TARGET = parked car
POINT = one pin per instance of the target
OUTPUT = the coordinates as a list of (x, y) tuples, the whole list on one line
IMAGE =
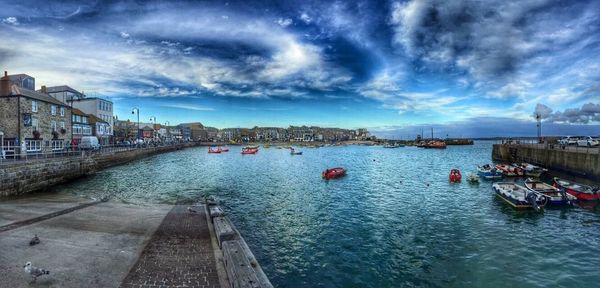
[(89, 143), (588, 141), (568, 140)]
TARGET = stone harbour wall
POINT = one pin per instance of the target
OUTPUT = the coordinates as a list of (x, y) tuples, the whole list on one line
[(35, 175)]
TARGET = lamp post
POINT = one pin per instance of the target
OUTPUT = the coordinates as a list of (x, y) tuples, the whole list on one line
[(133, 111), (1, 145), (167, 129), (538, 118)]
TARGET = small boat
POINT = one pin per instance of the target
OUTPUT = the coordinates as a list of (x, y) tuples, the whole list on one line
[(519, 197), (389, 145), (473, 179), (580, 191), (510, 171), (266, 146), (294, 152), (224, 149), (251, 147), (531, 170), (246, 151), (454, 176), (333, 173), (488, 172), (215, 150), (556, 197), (435, 145)]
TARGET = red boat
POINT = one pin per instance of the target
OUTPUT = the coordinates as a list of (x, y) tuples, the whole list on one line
[(211, 150), (224, 149), (333, 173), (581, 191), (454, 176), (249, 151)]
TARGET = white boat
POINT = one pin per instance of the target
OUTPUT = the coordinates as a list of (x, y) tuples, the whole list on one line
[(556, 197), (519, 197), (488, 171), (531, 170), (510, 171)]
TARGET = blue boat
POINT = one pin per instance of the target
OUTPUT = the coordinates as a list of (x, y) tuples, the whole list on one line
[(519, 197), (556, 197), (489, 172)]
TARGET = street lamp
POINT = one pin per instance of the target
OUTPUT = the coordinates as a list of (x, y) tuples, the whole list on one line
[(538, 117), (133, 111), (153, 119)]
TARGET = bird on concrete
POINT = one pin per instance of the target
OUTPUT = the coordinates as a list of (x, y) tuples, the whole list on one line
[(35, 271), (34, 241), (192, 211)]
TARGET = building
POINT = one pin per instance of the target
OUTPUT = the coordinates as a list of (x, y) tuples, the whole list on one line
[(101, 129), (124, 131), (31, 121), (64, 93), (98, 107), (81, 125), (193, 131)]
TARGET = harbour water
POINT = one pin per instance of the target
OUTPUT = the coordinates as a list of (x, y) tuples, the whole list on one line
[(393, 221)]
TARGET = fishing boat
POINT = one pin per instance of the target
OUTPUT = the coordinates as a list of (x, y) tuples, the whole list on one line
[(224, 149), (487, 171), (435, 145), (518, 196), (580, 191), (333, 173), (251, 147), (294, 152), (455, 176), (531, 170), (510, 171), (473, 179), (246, 151), (214, 150), (556, 197), (390, 145)]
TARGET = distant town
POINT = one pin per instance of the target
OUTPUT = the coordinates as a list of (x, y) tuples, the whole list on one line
[(52, 118)]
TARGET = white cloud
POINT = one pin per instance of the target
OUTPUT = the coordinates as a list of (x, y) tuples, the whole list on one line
[(11, 21), (284, 22), (124, 35), (188, 107), (304, 17)]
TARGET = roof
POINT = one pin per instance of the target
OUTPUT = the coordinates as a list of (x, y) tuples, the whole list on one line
[(61, 88), (91, 98), (78, 112), (94, 119), (16, 90)]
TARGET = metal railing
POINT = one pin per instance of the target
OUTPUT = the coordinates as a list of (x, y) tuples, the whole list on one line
[(12, 154), (551, 145)]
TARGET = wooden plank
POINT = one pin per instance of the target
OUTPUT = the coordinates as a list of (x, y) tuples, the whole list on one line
[(216, 211), (224, 230), (239, 271), (263, 280)]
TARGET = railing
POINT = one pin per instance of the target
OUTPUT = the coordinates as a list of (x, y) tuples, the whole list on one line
[(11, 154), (551, 145)]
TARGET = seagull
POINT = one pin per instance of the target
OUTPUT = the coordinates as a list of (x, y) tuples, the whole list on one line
[(191, 210), (34, 241), (34, 271)]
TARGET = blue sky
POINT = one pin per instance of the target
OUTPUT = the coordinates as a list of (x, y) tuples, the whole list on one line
[(470, 68)]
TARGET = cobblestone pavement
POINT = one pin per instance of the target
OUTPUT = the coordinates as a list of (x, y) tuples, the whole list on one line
[(179, 254)]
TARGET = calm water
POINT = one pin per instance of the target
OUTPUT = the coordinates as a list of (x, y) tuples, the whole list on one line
[(393, 221)]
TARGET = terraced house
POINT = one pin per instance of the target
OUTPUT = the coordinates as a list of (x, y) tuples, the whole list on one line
[(31, 122)]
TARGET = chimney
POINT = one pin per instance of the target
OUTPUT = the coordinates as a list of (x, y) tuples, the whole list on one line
[(44, 89), (5, 85)]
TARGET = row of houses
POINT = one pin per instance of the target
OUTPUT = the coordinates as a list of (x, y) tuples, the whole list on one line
[(50, 118), (127, 131)]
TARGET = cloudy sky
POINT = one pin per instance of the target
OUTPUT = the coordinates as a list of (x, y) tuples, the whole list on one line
[(472, 68)]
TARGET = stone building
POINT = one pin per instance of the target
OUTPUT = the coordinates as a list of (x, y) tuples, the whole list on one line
[(32, 122), (81, 125), (101, 129)]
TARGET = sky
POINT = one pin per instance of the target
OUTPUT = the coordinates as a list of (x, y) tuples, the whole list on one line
[(465, 68)]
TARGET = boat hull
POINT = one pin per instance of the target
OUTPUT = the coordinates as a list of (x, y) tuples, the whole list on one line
[(514, 202), (579, 194)]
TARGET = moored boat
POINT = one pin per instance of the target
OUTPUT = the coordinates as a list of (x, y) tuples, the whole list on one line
[(556, 197), (530, 169), (510, 171), (224, 149), (246, 151), (518, 196), (333, 173), (581, 191), (251, 147), (214, 150), (473, 179), (487, 171), (294, 152), (455, 176), (435, 145)]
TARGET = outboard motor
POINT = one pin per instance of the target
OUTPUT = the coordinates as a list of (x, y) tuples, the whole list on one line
[(532, 199), (563, 193)]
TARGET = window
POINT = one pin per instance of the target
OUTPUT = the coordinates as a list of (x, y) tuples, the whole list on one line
[(33, 145), (57, 145), (84, 119), (53, 126), (62, 111), (53, 110), (35, 123), (77, 129), (9, 145), (62, 124), (34, 106)]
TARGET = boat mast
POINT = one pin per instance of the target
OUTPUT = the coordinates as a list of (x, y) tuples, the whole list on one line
[(431, 133)]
